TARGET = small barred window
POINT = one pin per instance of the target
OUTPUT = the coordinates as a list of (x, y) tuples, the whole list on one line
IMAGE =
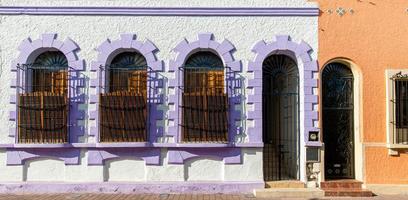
[(400, 104), (123, 104), (204, 99), (43, 103)]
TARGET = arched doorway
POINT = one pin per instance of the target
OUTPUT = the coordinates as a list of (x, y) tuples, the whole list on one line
[(280, 114), (338, 121)]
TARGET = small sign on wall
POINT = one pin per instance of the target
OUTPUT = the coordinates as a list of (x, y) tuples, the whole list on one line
[(313, 136)]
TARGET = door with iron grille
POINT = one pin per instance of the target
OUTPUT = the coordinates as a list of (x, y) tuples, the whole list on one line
[(280, 112), (338, 126)]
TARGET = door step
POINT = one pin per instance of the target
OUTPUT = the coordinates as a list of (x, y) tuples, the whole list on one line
[(284, 184), (289, 193), (344, 188), (343, 192)]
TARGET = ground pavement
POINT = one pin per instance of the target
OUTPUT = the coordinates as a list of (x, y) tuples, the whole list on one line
[(163, 197)]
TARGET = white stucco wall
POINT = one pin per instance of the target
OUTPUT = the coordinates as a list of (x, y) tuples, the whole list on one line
[(165, 32), (124, 170), (131, 170), (44, 169)]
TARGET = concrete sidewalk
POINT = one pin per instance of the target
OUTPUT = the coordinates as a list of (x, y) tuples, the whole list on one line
[(165, 197)]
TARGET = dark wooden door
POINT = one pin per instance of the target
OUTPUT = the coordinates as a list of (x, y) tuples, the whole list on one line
[(338, 121)]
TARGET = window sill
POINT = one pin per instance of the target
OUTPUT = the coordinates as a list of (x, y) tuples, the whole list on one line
[(123, 144), (397, 146), (39, 146), (314, 144)]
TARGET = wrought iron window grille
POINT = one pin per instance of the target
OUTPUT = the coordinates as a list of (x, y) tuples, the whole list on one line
[(123, 106), (43, 92), (204, 94), (399, 108)]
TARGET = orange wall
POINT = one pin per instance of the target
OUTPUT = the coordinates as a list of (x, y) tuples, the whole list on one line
[(375, 38)]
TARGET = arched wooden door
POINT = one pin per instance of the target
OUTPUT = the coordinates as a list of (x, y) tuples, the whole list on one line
[(338, 121), (280, 113)]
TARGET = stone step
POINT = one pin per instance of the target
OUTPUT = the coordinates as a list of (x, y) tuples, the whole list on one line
[(289, 193), (284, 184), (341, 184), (343, 192)]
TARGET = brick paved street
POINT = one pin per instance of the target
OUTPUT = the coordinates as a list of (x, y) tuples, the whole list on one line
[(161, 197)]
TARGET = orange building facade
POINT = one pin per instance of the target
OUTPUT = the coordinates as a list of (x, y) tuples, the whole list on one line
[(370, 38)]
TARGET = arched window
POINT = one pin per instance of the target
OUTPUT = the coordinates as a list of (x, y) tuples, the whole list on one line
[(280, 115), (204, 99), (123, 104), (43, 106)]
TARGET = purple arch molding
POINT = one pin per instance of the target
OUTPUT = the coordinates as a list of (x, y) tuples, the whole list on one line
[(299, 52), (70, 156), (107, 51), (29, 50), (184, 49)]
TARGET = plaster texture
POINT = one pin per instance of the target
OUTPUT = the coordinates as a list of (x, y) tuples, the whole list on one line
[(89, 32), (163, 3), (355, 39), (126, 169), (43, 169)]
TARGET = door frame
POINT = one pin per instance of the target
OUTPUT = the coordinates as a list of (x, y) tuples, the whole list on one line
[(358, 116)]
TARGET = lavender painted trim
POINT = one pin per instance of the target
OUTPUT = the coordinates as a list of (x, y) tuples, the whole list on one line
[(283, 45), (160, 11), (136, 187), (149, 155), (184, 49), (228, 155), (107, 51), (29, 50), (19, 156)]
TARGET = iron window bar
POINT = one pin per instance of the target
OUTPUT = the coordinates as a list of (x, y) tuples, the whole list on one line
[(123, 105), (42, 103), (204, 103), (400, 108)]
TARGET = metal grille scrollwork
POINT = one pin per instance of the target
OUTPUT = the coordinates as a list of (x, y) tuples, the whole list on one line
[(338, 121), (280, 112), (123, 104), (43, 110), (400, 108), (204, 99)]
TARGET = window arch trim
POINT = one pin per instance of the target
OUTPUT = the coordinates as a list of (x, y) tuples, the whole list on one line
[(29, 51), (110, 49), (186, 48)]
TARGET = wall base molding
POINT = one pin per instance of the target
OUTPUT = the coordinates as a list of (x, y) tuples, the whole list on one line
[(136, 187)]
